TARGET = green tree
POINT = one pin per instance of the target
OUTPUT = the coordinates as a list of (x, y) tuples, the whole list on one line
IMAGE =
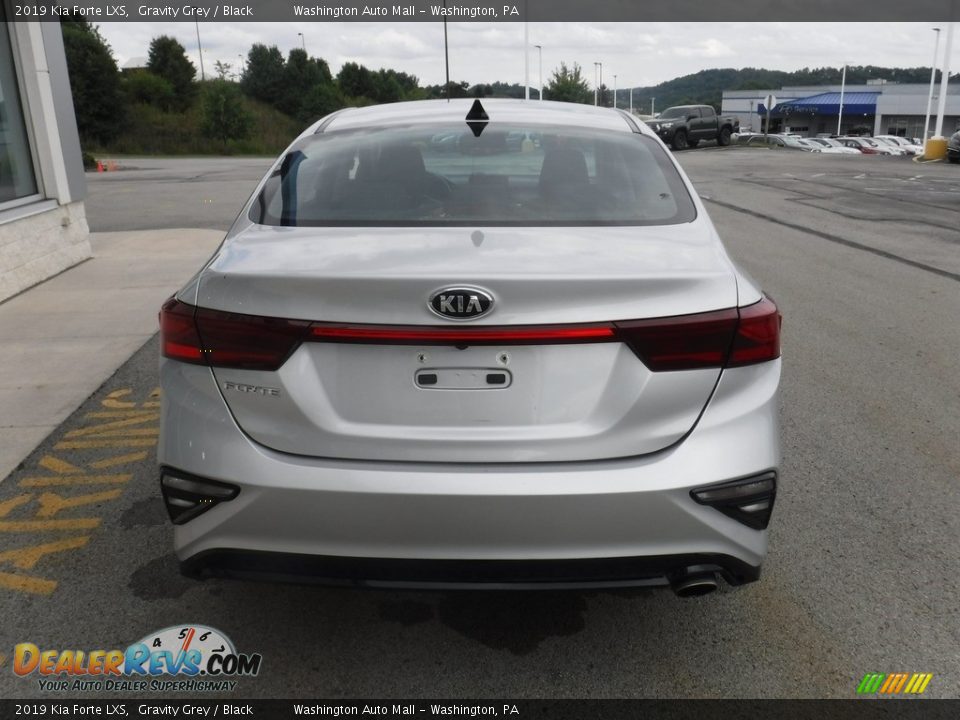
[(224, 70), (357, 81), (263, 78), (321, 100), (94, 82), (168, 59), (301, 75), (569, 85), (142, 86), (223, 114)]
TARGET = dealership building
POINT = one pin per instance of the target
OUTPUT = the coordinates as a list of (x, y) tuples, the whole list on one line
[(43, 228), (877, 108)]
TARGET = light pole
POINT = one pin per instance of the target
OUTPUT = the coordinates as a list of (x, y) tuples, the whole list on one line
[(596, 85), (631, 101), (203, 75), (526, 57), (243, 64), (843, 84), (303, 41), (540, 63), (614, 92), (933, 77), (944, 79), (601, 83), (653, 100)]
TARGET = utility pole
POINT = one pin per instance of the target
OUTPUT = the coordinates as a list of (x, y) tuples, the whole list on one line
[(944, 79), (526, 54), (933, 77), (446, 51), (631, 101), (653, 101), (614, 92), (843, 84), (540, 63), (203, 75)]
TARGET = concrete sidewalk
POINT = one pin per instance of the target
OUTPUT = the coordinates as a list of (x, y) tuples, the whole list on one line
[(64, 337)]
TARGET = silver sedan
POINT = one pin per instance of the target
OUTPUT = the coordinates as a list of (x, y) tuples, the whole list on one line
[(427, 355)]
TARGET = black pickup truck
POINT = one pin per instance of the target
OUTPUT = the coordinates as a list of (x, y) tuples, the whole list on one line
[(684, 126)]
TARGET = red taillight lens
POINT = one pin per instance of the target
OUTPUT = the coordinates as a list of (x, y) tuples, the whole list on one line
[(222, 339), (730, 337), (758, 334), (178, 333), (686, 342), (421, 335), (249, 342), (725, 338)]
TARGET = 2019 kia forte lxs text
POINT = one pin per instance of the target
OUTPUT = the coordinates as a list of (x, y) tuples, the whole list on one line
[(427, 356)]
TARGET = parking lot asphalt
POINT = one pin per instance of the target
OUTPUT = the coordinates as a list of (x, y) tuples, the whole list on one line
[(860, 254)]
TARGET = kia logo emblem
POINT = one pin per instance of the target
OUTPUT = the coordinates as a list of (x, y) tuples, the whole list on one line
[(460, 303)]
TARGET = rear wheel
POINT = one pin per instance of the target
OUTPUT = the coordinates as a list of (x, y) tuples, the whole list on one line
[(680, 140), (724, 138)]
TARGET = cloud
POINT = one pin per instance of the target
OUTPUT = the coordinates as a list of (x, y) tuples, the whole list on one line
[(639, 53)]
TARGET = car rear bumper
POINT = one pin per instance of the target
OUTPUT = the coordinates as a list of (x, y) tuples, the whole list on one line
[(630, 521), (457, 574)]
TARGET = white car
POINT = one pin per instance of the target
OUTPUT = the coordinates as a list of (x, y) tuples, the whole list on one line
[(909, 147), (868, 146), (829, 146), (896, 147), (472, 365)]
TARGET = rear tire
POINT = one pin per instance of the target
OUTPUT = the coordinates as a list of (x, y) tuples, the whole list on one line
[(723, 139), (679, 141)]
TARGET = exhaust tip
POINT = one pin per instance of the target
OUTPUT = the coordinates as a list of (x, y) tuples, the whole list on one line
[(694, 584)]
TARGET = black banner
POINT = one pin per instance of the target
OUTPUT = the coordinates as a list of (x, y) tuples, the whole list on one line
[(854, 709), (483, 10)]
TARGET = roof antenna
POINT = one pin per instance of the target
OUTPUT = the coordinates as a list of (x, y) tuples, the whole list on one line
[(477, 118), (446, 49)]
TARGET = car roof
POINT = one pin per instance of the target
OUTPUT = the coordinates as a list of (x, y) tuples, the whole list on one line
[(497, 110)]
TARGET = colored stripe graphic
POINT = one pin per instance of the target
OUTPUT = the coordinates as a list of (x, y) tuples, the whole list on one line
[(894, 683), (870, 683)]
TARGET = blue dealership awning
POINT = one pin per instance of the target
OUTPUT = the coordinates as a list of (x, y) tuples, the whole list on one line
[(829, 103)]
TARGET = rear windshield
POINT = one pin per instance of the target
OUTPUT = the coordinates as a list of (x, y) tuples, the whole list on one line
[(442, 175)]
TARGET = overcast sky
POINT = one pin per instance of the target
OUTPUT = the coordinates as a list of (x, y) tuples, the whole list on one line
[(639, 53)]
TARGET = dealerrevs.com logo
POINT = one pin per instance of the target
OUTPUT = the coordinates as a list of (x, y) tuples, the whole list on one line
[(199, 657)]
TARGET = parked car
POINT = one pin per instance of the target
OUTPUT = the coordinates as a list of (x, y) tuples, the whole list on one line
[(832, 147), (407, 366), (867, 146), (953, 148), (685, 126), (892, 145), (910, 147), (785, 142)]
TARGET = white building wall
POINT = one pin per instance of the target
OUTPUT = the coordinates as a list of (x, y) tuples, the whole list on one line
[(44, 235)]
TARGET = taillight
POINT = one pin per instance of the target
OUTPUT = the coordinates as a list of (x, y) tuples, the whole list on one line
[(758, 334), (178, 333), (249, 342), (732, 337), (425, 335), (685, 342), (223, 339)]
